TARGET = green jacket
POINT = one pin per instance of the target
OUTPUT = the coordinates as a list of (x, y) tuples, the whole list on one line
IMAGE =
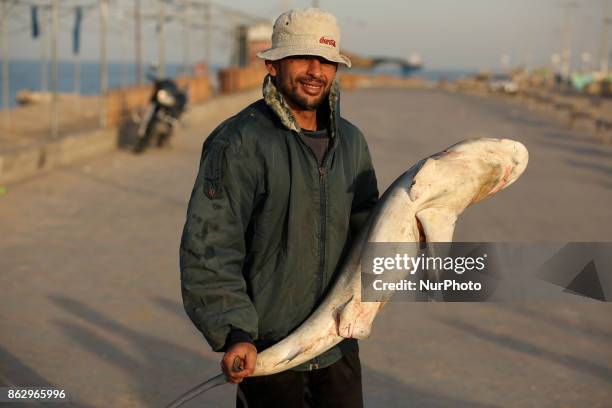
[(267, 227)]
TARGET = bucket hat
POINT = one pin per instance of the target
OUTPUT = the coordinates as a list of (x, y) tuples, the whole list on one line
[(309, 31)]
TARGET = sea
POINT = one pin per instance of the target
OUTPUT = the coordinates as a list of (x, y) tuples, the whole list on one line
[(26, 74)]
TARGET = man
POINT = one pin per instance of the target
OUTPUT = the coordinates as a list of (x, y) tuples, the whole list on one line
[(282, 188)]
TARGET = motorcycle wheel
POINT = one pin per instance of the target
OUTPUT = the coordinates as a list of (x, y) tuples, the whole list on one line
[(143, 142), (164, 136)]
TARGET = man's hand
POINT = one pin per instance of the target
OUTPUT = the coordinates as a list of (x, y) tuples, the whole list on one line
[(246, 354)]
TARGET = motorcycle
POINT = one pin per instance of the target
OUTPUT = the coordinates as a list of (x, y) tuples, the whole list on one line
[(168, 103)]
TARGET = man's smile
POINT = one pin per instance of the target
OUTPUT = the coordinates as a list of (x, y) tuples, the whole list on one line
[(312, 88)]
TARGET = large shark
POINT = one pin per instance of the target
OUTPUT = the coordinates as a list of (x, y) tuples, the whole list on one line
[(423, 204)]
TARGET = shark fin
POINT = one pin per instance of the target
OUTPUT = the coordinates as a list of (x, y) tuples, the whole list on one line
[(438, 224), (355, 319)]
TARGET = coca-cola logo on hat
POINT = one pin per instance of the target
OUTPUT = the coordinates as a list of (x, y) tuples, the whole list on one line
[(327, 41)]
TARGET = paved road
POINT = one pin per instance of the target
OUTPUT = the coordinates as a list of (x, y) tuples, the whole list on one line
[(89, 271)]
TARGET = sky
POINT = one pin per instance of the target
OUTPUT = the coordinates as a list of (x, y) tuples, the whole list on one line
[(448, 34)]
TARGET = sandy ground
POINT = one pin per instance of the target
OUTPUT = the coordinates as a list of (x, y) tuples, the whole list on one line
[(90, 285)]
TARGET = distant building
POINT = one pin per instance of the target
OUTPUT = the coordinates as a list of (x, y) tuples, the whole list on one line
[(259, 38), (249, 41)]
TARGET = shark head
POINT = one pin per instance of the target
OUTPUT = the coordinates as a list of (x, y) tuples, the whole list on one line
[(469, 171), (462, 175), (502, 162)]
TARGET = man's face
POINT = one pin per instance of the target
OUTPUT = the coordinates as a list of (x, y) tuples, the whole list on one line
[(303, 80)]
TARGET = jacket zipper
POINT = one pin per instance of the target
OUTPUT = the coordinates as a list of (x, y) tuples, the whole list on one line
[(323, 211), (323, 220), (323, 217), (322, 241), (323, 224)]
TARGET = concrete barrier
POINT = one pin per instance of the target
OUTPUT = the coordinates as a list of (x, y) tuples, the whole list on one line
[(241, 79), (123, 102), (25, 162), (200, 88), (590, 111), (594, 113), (350, 81)]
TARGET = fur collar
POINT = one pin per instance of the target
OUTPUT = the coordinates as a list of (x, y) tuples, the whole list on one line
[(274, 99)]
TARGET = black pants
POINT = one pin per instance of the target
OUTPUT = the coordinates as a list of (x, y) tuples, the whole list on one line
[(338, 386)]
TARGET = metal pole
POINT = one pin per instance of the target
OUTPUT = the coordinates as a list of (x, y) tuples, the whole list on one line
[(566, 51), (77, 74), (137, 42), (187, 39), (207, 33), (103, 63), (54, 74), (44, 85), (5, 67), (123, 30), (162, 39), (77, 80), (605, 52)]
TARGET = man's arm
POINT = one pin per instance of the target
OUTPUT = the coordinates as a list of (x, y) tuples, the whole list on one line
[(213, 247)]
